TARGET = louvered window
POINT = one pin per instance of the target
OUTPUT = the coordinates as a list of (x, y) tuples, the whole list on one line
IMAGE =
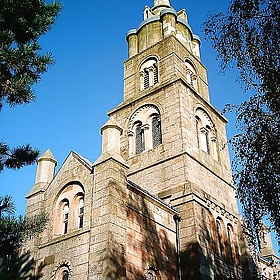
[(139, 139), (149, 73), (155, 74), (156, 131), (146, 79)]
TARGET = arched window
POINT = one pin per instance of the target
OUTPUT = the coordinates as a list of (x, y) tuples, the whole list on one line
[(221, 237), (81, 212), (204, 139), (206, 134), (191, 75), (65, 218), (62, 271), (65, 275), (155, 71), (68, 213), (144, 130), (146, 79), (232, 247), (149, 73), (151, 273), (156, 130), (213, 232), (139, 139), (219, 233), (230, 242)]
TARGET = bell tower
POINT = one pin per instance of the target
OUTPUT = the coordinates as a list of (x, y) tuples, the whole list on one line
[(174, 141), (159, 202)]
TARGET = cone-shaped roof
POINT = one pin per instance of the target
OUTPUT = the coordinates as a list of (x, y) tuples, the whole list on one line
[(47, 155)]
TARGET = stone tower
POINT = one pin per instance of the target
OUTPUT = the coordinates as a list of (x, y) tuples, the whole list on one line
[(159, 201)]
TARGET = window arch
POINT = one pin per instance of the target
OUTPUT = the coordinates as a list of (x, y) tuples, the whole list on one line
[(206, 134), (221, 237), (232, 249), (144, 129), (139, 138), (213, 231), (65, 275), (62, 271), (151, 273), (65, 217), (81, 212), (69, 209), (149, 73), (191, 75), (156, 130)]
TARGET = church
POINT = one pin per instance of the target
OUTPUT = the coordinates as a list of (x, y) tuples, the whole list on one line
[(159, 203)]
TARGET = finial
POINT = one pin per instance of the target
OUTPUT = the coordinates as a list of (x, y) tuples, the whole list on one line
[(161, 3)]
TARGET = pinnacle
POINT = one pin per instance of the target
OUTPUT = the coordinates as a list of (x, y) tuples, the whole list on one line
[(161, 3), (47, 155)]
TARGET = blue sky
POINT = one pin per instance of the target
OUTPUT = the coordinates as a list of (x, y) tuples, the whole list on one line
[(89, 46)]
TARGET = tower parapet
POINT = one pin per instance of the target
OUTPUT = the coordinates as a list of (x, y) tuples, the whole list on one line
[(161, 21)]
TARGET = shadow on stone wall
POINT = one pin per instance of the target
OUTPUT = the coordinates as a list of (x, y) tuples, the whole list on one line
[(158, 253), (150, 247), (201, 260), (146, 249)]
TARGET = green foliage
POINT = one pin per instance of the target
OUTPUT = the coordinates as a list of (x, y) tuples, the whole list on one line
[(7, 206), (22, 63), (248, 36), (14, 231), (18, 157), (21, 267)]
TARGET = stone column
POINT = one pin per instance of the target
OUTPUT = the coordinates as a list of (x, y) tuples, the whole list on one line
[(108, 230)]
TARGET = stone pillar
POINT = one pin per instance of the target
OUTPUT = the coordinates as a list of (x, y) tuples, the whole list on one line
[(132, 40), (46, 167), (45, 172), (111, 137), (108, 231), (107, 258)]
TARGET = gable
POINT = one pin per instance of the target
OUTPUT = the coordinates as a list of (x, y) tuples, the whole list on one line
[(74, 169)]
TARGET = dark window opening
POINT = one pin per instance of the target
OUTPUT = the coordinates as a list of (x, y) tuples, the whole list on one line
[(65, 218), (139, 139), (81, 213), (146, 79), (156, 131), (65, 275), (155, 74)]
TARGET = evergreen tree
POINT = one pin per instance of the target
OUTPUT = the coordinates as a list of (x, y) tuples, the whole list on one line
[(248, 36), (14, 262), (22, 23)]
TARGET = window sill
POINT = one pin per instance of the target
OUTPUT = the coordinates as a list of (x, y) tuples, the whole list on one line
[(58, 238)]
